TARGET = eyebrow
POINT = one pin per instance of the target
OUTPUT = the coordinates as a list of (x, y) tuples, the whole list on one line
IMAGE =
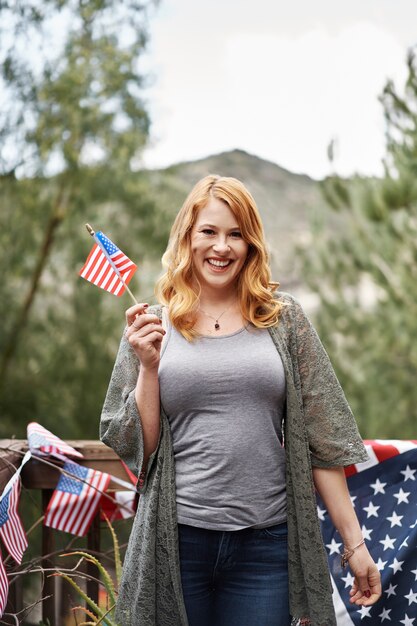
[(214, 226)]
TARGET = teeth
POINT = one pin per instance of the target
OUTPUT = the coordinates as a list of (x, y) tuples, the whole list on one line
[(218, 263)]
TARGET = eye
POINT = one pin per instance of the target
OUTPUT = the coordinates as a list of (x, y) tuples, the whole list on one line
[(207, 231), (236, 234)]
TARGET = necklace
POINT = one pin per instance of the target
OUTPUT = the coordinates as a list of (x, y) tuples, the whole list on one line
[(216, 319)]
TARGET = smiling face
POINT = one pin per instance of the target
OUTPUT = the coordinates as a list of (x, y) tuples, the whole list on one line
[(218, 250)]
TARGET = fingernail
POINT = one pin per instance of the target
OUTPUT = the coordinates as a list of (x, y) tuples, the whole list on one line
[(145, 306), (367, 593)]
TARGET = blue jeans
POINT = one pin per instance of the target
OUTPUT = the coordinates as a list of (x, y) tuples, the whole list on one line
[(235, 578)]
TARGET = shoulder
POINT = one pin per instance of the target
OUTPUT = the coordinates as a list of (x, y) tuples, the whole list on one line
[(291, 309)]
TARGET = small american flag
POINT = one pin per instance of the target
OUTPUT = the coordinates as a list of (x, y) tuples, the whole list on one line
[(76, 499), (11, 529), (106, 265), (4, 587), (124, 503), (383, 491), (41, 440)]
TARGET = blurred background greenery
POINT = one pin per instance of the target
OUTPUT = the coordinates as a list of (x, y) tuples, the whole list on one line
[(73, 125)]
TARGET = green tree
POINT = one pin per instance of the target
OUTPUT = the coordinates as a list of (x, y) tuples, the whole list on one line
[(73, 124), (365, 275)]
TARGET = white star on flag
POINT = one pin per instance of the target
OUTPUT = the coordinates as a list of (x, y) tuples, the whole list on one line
[(366, 532), (321, 513), (380, 564), (396, 565), (371, 510), (402, 496), (348, 580), (333, 546), (395, 519), (407, 621), (378, 487), (411, 597), (388, 543), (391, 590), (385, 614), (414, 571), (408, 473), (364, 611)]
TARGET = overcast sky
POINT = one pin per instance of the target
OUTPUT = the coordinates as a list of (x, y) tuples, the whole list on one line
[(278, 79)]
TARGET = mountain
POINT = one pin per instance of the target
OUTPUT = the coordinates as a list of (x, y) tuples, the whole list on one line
[(287, 201)]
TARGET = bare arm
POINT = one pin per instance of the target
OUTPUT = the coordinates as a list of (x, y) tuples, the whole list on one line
[(332, 487), (145, 335)]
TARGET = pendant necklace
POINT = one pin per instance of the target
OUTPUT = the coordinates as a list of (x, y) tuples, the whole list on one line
[(216, 319)]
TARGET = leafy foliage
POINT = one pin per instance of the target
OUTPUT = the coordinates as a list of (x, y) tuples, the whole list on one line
[(366, 275), (72, 129)]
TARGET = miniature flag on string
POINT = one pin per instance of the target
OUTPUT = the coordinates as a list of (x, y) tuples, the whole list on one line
[(383, 491), (107, 266), (76, 499), (124, 503), (42, 441), (4, 587), (11, 529)]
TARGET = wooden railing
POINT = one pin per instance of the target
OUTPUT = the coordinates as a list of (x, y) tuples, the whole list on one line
[(37, 475)]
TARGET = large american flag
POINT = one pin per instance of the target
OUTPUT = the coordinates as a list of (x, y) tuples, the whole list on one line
[(384, 493), (41, 440), (106, 265), (76, 499)]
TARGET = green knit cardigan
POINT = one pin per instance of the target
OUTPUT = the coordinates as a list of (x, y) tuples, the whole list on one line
[(319, 430)]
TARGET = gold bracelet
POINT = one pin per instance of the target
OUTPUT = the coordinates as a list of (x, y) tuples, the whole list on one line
[(348, 552)]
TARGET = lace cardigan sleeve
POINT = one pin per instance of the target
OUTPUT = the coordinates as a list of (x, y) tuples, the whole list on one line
[(332, 432)]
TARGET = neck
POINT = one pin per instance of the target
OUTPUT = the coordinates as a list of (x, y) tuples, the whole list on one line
[(215, 299)]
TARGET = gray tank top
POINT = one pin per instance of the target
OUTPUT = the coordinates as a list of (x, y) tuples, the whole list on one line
[(224, 398)]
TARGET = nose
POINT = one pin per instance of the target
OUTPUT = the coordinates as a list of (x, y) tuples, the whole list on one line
[(221, 246)]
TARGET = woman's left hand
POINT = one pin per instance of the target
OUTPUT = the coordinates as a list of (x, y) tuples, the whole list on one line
[(366, 589)]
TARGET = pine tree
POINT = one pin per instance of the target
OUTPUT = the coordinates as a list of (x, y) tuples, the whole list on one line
[(365, 274)]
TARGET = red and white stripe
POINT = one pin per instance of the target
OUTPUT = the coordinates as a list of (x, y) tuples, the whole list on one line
[(12, 532), (99, 271), (380, 450), (4, 587), (73, 513), (51, 445)]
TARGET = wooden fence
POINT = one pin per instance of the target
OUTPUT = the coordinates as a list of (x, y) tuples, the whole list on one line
[(39, 476)]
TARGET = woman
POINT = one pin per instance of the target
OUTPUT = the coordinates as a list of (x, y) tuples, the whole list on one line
[(232, 417)]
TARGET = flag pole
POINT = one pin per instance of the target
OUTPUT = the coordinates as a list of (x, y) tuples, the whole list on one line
[(106, 254)]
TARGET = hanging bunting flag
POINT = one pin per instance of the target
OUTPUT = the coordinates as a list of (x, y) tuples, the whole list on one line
[(107, 266), (76, 499), (124, 503), (11, 529), (4, 587), (42, 441)]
